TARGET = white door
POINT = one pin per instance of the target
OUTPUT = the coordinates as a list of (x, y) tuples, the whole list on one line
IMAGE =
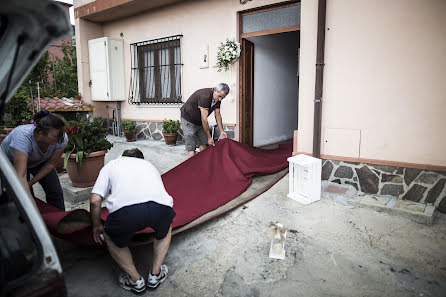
[(98, 69)]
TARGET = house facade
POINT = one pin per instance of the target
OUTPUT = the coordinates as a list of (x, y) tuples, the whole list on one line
[(381, 91)]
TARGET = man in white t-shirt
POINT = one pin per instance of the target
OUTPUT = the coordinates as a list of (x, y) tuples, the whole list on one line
[(138, 200)]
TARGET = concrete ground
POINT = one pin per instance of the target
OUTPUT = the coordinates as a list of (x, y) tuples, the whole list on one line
[(333, 248)]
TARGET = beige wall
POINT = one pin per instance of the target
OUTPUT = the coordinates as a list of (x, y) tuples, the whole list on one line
[(201, 23), (308, 34), (384, 82), (85, 30)]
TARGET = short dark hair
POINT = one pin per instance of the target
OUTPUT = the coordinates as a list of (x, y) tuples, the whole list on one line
[(133, 152), (45, 120)]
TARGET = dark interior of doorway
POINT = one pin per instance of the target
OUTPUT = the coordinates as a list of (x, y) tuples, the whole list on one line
[(270, 83)]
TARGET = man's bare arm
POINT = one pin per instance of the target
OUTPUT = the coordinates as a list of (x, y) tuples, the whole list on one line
[(220, 123), (204, 122), (95, 210)]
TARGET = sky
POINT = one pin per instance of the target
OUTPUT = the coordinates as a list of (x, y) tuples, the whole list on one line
[(71, 10)]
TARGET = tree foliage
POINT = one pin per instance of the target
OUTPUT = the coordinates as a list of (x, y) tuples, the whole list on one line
[(65, 80), (63, 84), (17, 110), (64, 72)]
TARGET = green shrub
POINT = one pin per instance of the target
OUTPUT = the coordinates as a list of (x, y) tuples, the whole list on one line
[(128, 125), (17, 110), (171, 126)]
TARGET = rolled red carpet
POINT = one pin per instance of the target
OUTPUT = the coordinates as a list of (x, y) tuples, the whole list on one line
[(199, 185)]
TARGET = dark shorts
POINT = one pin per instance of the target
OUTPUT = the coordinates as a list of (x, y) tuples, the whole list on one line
[(122, 224)]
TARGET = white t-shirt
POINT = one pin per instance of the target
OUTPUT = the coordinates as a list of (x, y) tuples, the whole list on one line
[(130, 181)]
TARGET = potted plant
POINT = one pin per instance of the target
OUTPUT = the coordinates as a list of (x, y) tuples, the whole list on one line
[(85, 151), (170, 131), (129, 128)]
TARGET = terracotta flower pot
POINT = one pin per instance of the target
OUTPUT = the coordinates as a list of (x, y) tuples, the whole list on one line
[(59, 165), (170, 138), (85, 175), (130, 135)]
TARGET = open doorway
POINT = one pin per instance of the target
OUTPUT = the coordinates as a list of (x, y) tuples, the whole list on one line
[(276, 87), (269, 75)]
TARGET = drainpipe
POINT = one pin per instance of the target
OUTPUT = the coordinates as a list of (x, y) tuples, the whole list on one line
[(319, 78)]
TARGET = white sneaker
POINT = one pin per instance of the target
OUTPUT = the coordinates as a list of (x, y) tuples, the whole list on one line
[(153, 281), (126, 283)]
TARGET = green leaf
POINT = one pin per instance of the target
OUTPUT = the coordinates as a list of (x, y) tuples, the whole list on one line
[(79, 157), (67, 156)]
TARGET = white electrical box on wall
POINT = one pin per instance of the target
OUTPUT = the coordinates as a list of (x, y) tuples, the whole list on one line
[(106, 59)]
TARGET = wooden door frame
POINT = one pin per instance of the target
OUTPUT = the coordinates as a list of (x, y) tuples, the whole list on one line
[(244, 102), (252, 34)]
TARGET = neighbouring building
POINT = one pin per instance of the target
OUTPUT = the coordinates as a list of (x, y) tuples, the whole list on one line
[(55, 48), (381, 93)]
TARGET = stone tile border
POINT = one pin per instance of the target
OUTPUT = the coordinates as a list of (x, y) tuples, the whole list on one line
[(417, 185), (154, 131), (418, 212), (347, 195)]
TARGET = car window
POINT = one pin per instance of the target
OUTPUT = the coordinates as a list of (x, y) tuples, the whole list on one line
[(18, 252)]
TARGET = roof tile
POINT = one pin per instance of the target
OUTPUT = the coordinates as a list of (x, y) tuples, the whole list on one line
[(62, 104)]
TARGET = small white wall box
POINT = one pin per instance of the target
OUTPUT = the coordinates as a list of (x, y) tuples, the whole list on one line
[(106, 58), (305, 178)]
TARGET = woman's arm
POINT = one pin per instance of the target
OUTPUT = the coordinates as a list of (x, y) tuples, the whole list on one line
[(49, 165), (20, 165)]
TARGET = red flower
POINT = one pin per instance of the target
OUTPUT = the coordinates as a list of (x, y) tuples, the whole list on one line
[(67, 130), (75, 130)]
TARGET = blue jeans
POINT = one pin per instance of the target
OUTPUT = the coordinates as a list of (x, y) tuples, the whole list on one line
[(51, 185)]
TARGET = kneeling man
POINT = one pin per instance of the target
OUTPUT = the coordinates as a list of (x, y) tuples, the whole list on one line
[(138, 200)]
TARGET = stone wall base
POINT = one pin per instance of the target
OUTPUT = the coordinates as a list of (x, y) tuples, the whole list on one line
[(154, 131), (416, 185)]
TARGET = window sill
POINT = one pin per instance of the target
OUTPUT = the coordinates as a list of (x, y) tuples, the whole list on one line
[(158, 105)]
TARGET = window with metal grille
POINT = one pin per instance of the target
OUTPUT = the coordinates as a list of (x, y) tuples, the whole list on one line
[(156, 71)]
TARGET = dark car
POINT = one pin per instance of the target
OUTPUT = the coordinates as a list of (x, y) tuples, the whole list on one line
[(29, 265)]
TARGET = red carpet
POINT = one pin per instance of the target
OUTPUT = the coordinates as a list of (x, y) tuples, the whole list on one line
[(199, 185)]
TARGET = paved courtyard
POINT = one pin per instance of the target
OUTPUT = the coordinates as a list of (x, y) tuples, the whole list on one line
[(334, 247)]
